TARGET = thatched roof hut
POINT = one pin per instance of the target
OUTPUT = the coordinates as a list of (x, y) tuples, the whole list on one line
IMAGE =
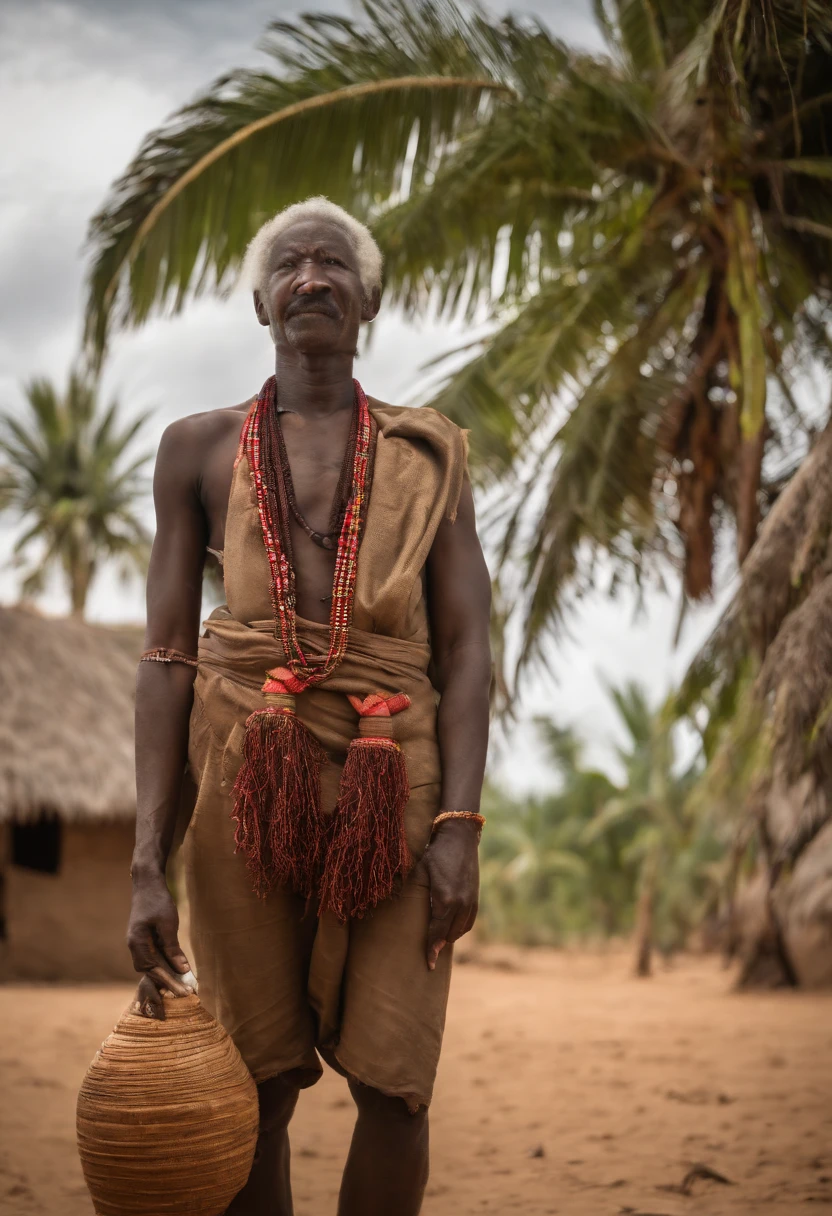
[(67, 795), (67, 692)]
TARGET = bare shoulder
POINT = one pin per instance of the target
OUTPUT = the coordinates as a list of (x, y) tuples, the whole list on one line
[(205, 427), (187, 442)]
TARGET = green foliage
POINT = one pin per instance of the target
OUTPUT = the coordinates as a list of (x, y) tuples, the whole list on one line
[(540, 883), (570, 864), (68, 474), (649, 233)]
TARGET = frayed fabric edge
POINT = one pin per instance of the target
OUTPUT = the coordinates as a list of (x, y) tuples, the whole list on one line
[(413, 1102), (460, 473)]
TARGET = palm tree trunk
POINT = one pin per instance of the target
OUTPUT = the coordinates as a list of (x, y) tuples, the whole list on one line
[(644, 918), (80, 577), (644, 932)]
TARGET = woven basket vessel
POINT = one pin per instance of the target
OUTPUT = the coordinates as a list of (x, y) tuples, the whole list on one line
[(167, 1116)]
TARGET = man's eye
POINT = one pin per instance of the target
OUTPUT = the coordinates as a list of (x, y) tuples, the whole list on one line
[(333, 261)]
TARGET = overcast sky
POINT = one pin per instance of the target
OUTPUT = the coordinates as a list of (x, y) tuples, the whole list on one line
[(80, 84)]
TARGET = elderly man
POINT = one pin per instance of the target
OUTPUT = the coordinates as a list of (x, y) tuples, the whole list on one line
[(331, 855)]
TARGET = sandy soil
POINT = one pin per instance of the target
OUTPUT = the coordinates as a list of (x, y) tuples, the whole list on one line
[(566, 1087)]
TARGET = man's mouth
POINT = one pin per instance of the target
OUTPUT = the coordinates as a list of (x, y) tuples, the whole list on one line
[(319, 308)]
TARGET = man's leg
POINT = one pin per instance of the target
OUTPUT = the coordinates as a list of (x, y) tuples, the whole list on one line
[(268, 1191), (387, 1166)]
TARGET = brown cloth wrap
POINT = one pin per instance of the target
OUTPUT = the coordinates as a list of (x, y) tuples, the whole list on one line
[(282, 982)]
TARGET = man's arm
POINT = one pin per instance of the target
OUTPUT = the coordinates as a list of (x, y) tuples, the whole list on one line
[(164, 696), (459, 601)]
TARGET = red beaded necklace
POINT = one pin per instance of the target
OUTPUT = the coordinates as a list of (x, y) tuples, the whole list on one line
[(260, 441), (351, 860)]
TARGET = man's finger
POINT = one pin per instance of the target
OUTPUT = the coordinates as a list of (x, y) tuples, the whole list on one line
[(438, 930), (434, 950), (461, 923), (148, 1002), (166, 980)]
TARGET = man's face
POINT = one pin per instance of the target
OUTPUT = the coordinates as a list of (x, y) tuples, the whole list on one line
[(313, 297)]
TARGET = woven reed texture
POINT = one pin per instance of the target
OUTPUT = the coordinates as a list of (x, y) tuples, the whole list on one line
[(167, 1116)]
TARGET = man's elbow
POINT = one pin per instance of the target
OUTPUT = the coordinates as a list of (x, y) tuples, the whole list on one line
[(466, 661)]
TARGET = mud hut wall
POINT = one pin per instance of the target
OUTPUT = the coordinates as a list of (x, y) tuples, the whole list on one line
[(71, 925)]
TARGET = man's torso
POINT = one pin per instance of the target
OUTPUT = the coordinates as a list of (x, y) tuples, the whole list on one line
[(315, 449)]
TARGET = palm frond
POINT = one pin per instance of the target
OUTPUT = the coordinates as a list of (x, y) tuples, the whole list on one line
[(337, 118), (640, 35)]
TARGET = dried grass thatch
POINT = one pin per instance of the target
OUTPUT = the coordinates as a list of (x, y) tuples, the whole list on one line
[(779, 622), (67, 693), (793, 552), (766, 674), (784, 608)]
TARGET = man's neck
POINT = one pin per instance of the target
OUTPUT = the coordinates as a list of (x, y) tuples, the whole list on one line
[(314, 386)]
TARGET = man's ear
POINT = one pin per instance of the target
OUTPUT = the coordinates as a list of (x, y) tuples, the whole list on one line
[(371, 305), (260, 309)]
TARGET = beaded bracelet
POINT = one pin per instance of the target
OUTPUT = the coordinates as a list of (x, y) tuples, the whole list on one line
[(440, 818), (164, 654)]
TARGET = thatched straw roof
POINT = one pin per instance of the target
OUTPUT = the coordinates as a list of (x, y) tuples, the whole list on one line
[(778, 630), (66, 717), (793, 552), (785, 608), (791, 557), (765, 675)]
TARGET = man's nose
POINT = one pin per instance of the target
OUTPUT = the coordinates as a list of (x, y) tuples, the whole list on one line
[(308, 285)]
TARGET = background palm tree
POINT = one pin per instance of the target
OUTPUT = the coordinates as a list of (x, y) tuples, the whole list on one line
[(539, 884), (648, 234), (671, 842), (601, 858), (69, 475)]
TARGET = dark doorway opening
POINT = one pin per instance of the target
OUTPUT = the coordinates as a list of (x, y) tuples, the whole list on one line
[(37, 845)]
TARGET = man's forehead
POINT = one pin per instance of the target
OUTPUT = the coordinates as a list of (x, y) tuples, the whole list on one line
[(309, 234)]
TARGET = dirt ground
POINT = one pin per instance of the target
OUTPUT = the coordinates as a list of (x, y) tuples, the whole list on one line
[(566, 1087)]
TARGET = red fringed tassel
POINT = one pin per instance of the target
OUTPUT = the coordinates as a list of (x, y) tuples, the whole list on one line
[(277, 794), (368, 849)]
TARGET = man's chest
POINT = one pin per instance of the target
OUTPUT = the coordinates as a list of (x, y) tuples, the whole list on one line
[(314, 457), (315, 474)]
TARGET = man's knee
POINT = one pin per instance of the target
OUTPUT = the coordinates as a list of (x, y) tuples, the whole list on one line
[(373, 1104)]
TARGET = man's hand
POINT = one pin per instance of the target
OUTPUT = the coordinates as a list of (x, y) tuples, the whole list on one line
[(153, 941), (452, 861)]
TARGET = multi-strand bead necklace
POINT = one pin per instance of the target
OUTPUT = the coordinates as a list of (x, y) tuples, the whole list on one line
[(262, 443)]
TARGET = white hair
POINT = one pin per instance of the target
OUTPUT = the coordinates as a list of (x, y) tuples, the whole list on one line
[(256, 268)]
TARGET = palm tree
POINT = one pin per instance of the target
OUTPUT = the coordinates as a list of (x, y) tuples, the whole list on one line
[(607, 887), (648, 234), (596, 857), (69, 477), (675, 849), (539, 884)]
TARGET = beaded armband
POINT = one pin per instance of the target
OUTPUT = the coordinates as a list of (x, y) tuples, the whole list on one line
[(443, 815), (164, 654)]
